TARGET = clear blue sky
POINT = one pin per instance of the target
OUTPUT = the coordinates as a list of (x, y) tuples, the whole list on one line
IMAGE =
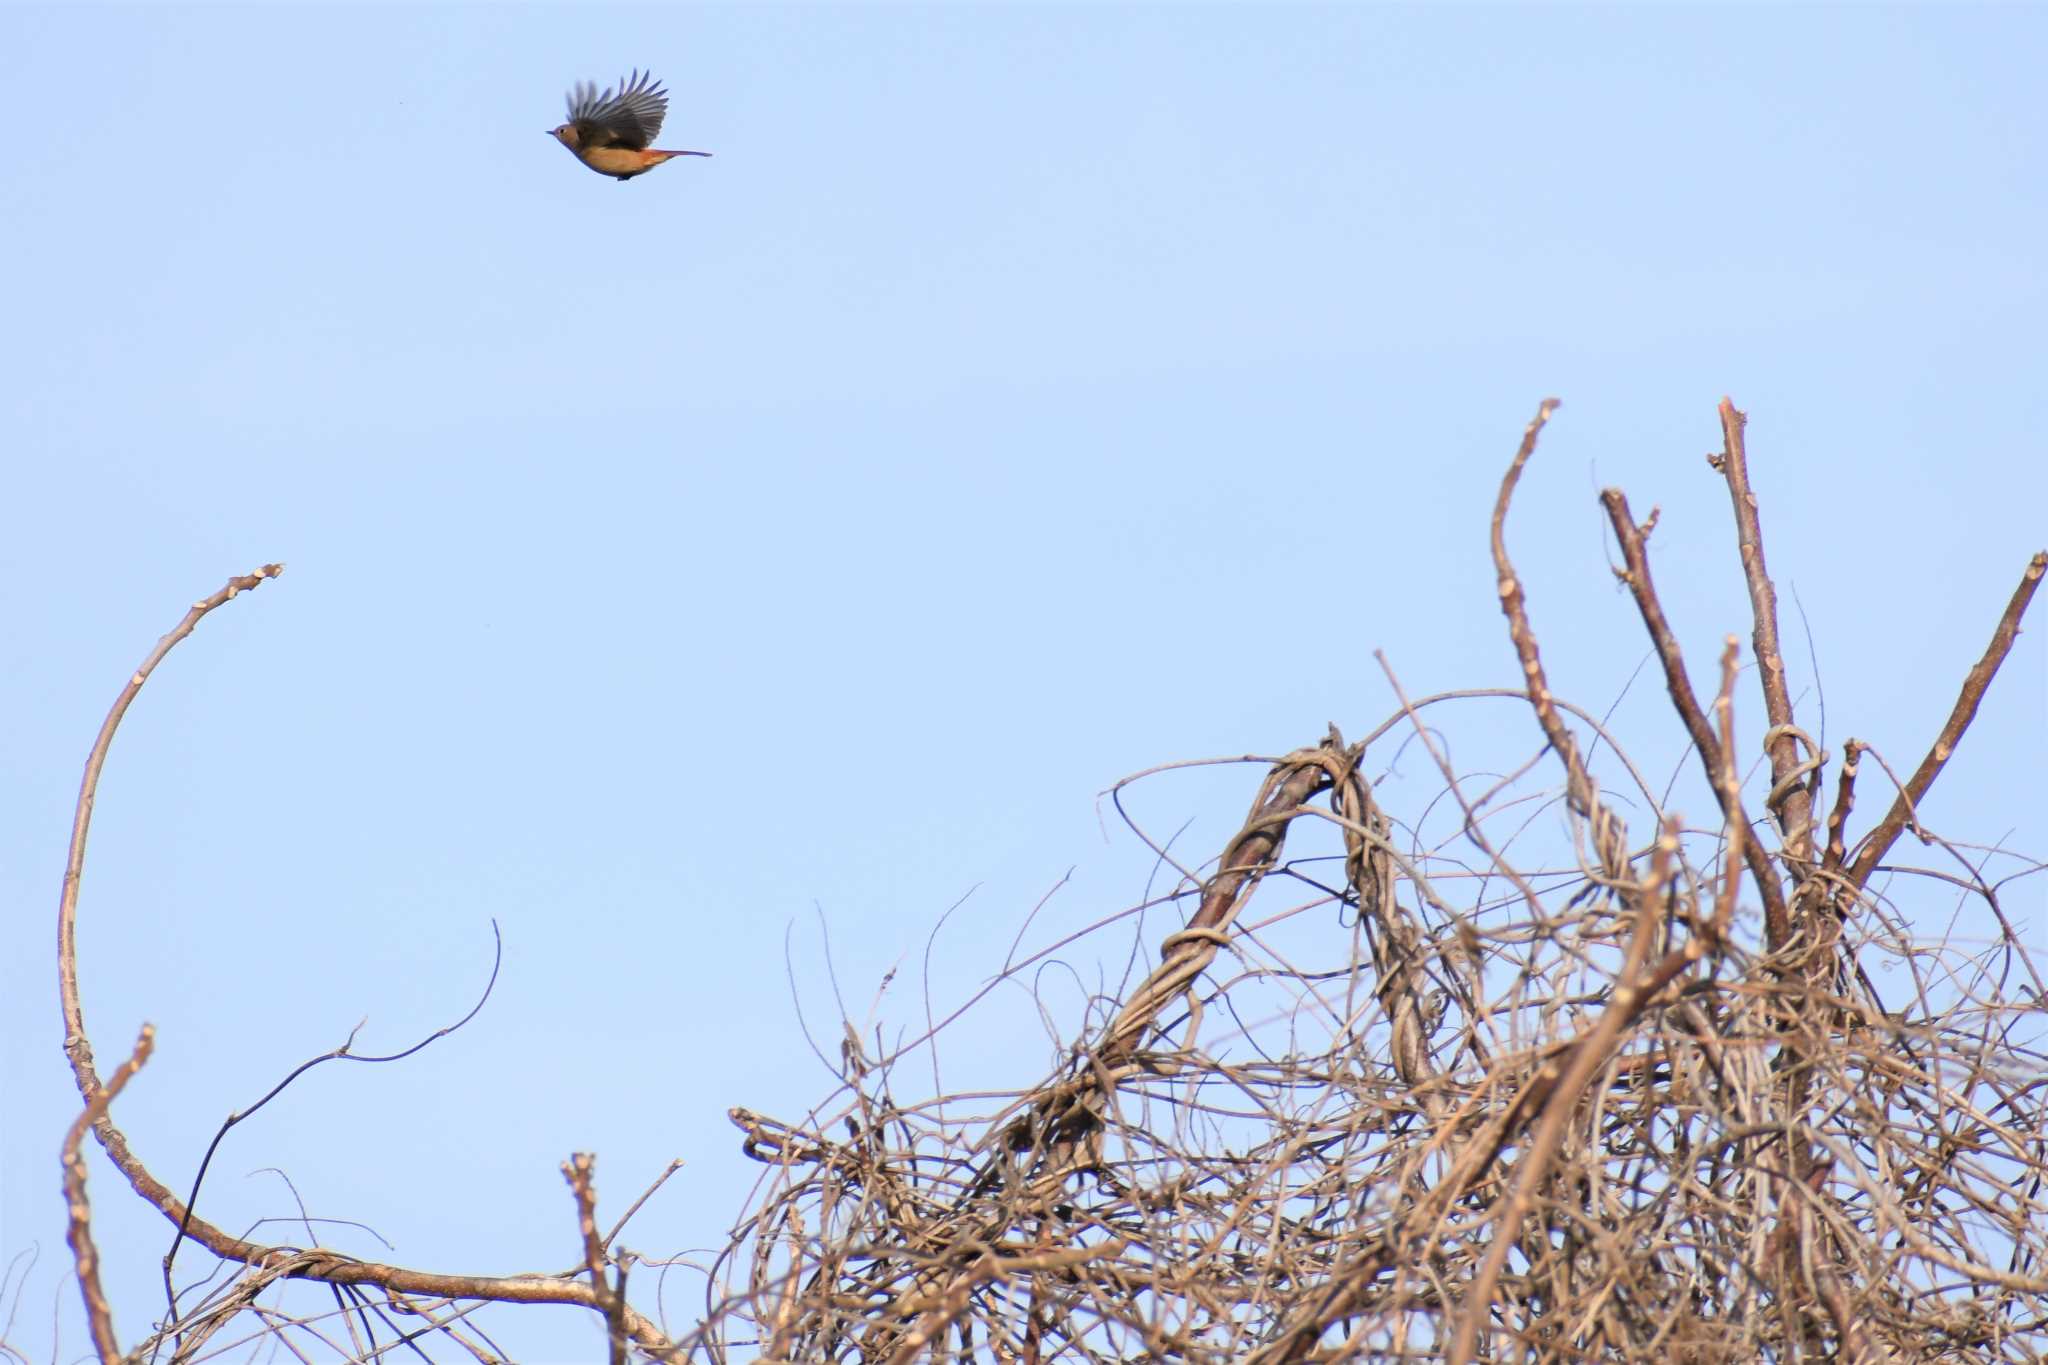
[(827, 522)]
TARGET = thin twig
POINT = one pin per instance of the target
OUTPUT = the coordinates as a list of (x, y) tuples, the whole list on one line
[(341, 1053), (645, 1195)]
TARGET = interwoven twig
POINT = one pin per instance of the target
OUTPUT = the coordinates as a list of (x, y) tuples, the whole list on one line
[(1541, 1095)]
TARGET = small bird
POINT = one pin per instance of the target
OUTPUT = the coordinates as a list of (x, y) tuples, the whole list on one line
[(609, 133)]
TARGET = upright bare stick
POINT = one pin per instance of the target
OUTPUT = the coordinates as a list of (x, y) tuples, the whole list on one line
[(1794, 803), (1635, 554)]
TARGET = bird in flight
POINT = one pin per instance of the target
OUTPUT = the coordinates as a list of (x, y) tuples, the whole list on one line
[(609, 133)]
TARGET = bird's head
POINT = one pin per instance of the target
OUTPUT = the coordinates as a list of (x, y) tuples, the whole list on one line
[(566, 135)]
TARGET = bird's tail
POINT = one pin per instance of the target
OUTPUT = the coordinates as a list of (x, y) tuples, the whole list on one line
[(656, 156)]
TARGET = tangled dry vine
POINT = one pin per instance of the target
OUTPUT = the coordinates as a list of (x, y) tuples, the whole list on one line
[(1634, 1098)]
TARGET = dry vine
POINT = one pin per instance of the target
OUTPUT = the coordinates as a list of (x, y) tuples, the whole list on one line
[(1636, 1100)]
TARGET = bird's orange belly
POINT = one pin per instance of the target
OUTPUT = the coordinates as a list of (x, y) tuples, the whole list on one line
[(621, 161)]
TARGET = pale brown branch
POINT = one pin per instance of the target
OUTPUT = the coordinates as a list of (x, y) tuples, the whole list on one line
[(1572, 1072), (1879, 841), (1730, 784), (1792, 805), (1609, 833), (1288, 787), (322, 1266), (1845, 802), (578, 1170), (1514, 605), (1636, 557), (99, 1314), (77, 1047)]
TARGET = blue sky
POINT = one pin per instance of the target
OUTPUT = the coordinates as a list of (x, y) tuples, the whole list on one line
[(1019, 397)]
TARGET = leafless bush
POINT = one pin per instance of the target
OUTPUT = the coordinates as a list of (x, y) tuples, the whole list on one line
[(1632, 1099)]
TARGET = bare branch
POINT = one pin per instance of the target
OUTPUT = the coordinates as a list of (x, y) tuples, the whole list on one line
[(1791, 803), (99, 1315), (1432, 1074), (76, 1045), (577, 1170), (1636, 557), (1879, 841), (327, 1267)]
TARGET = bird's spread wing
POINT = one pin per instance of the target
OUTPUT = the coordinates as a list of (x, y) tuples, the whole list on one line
[(631, 118)]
